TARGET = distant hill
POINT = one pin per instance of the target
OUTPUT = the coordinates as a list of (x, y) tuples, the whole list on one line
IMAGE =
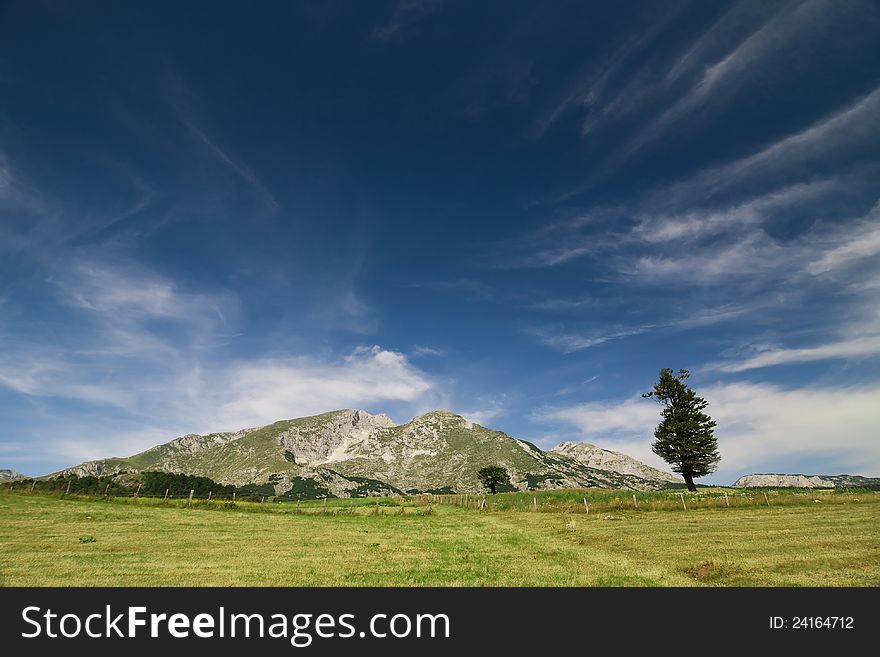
[(806, 481), (353, 453), (10, 475)]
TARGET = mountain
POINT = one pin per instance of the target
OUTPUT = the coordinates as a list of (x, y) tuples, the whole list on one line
[(353, 453), (603, 459), (806, 481), (10, 475)]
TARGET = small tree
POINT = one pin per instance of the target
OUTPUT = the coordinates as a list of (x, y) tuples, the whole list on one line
[(492, 475), (685, 437)]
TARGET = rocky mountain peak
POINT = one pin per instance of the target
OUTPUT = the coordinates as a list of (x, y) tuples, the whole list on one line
[(10, 475), (334, 439), (604, 459)]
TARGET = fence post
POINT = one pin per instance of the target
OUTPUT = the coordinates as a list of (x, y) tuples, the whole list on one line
[(67, 492), (190, 502), (166, 494), (535, 503), (586, 506), (635, 501), (681, 495), (33, 484), (233, 497), (262, 499), (726, 501), (209, 495), (107, 491), (137, 491), (765, 498)]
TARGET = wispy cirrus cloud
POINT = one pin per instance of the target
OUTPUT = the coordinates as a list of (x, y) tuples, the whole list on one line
[(238, 168), (782, 32), (405, 15), (600, 87), (184, 102), (689, 217), (855, 347), (569, 341), (467, 288), (863, 241)]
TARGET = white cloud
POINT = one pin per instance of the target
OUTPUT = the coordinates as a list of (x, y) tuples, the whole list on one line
[(761, 427), (700, 222), (263, 391), (492, 409), (862, 242), (858, 347), (419, 351), (180, 398), (125, 293)]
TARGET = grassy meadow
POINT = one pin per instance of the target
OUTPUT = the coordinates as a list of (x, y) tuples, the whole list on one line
[(520, 539)]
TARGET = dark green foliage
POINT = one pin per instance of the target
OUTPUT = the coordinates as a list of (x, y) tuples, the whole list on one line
[(445, 490), (306, 489), (685, 437), (493, 475), (534, 480), (289, 456), (256, 490), (179, 485), (367, 487), (88, 485)]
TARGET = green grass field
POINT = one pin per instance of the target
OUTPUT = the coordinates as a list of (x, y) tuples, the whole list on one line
[(793, 542)]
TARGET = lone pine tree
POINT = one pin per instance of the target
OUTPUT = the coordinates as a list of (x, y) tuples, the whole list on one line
[(685, 437)]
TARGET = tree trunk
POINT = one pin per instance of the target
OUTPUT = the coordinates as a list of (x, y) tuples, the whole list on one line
[(492, 487), (689, 480)]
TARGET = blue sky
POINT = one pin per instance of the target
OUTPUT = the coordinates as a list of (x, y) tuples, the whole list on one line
[(217, 215)]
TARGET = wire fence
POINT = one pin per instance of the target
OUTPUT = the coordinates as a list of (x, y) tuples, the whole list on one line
[(589, 501)]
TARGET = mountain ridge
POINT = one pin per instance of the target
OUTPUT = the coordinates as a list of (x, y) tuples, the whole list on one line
[(775, 480), (351, 452)]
